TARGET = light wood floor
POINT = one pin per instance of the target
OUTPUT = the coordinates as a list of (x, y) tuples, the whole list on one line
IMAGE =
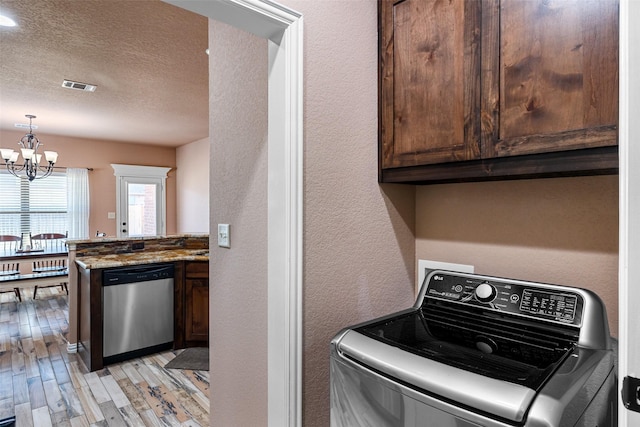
[(43, 385)]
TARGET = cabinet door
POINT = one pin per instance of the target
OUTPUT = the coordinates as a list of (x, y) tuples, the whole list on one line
[(558, 84), (197, 310), (429, 81)]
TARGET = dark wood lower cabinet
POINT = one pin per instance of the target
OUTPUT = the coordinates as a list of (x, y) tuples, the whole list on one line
[(197, 304), (191, 310)]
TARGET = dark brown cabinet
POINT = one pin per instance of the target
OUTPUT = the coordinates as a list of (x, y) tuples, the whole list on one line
[(197, 303), (489, 89), (429, 99)]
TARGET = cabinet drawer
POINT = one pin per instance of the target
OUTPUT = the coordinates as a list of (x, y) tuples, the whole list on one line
[(197, 269)]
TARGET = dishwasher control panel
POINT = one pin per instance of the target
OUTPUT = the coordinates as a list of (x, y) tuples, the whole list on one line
[(137, 273), (547, 302)]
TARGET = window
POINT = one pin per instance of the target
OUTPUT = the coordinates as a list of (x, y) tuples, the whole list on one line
[(39, 206), (142, 209)]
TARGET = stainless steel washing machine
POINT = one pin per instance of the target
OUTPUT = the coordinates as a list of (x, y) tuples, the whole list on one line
[(479, 351)]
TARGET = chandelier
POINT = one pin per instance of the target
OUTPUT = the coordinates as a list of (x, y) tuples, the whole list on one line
[(33, 166)]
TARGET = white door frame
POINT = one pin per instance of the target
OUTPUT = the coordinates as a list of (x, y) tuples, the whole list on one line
[(629, 253), (127, 174), (282, 27)]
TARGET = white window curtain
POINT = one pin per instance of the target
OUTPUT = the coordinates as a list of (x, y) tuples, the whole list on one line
[(78, 203)]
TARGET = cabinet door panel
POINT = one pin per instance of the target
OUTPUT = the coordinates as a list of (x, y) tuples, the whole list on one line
[(429, 87), (197, 310), (558, 80)]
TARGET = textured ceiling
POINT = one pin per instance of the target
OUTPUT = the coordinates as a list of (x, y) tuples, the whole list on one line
[(146, 57)]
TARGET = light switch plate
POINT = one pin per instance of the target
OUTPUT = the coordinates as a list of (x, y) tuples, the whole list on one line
[(426, 266), (223, 236), (111, 215)]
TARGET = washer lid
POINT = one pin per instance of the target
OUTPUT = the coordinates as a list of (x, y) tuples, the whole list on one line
[(503, 399)]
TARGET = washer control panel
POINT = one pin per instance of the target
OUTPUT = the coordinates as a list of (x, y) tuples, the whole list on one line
[(521, 298)]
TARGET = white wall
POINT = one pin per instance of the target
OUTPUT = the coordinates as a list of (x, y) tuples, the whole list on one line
[(192, 187)]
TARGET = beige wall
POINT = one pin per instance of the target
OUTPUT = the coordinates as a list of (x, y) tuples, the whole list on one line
[(192, 187), (238, 276), (98, 154), (562, 231), (358, 236)]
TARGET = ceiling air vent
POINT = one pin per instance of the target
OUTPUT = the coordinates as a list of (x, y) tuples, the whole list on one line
[(78, 86)]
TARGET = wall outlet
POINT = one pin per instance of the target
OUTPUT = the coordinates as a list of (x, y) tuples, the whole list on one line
[(111, 215), (223, 236), (427, 266)]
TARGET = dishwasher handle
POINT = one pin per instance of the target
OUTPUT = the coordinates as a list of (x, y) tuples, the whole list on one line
[(138, 273)]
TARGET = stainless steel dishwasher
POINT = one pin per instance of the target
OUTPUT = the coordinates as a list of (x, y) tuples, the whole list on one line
[(137, 303)]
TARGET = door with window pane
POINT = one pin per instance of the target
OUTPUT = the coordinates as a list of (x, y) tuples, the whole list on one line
[(140, 200), (141, 211)]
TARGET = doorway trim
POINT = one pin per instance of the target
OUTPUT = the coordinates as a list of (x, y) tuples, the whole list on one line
[(629, 192), (282, 27)]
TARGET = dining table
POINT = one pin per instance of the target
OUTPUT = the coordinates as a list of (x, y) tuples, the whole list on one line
[(28, 278), (19, 256)]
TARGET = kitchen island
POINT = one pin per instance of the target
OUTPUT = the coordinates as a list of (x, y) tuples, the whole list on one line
[(90, 259)]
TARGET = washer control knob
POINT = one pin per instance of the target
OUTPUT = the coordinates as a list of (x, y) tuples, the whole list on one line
[(485, 292)]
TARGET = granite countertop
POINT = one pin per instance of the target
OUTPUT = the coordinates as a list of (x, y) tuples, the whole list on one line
[(142, 257)]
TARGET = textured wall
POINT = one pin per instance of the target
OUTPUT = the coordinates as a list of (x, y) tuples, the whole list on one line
[(238, 283), (192, 187), (358, 236), (562, 231), (359, 240)]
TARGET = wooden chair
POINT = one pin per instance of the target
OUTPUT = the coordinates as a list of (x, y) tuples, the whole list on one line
[(9, 244), (50, 242)]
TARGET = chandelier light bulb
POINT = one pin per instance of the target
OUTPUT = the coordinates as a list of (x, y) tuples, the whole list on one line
[(6, 153), (51, 156), (27, 153)]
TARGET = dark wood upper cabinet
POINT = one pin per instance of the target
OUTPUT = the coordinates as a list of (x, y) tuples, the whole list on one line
[(487, 89), (430, 61)]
